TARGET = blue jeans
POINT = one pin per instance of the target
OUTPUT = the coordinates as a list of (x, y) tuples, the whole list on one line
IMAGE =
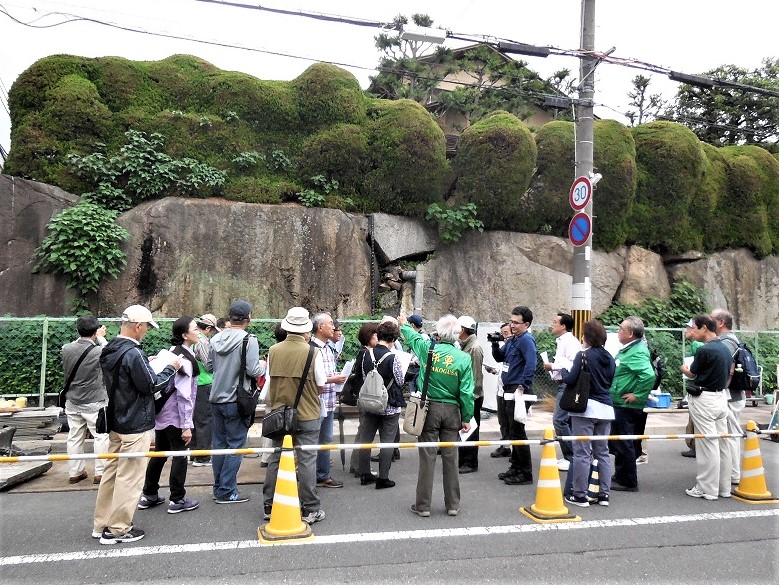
[(561, 421), (307, 434), (325, 438), (228, 432)]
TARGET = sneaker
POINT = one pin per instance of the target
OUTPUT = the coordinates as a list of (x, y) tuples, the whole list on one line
[(182, 506), (694, 492), (580, 501), (507, 473), (147, 502), (453, 512), (266, 510), (642, 459), (96, 534), (97, 479), (689, 453), (501, 451), (311, 516), (563, 464), (727, 495), (603, 499), (618, 487), (330, 483), (383, 484), (420, 513), (130, 536), (467, 469), (368, 478), (235, 498), (201, 463)]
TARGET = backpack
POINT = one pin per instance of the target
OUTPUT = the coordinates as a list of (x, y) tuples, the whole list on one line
[(658, 365), (373, 393), (746, 375)]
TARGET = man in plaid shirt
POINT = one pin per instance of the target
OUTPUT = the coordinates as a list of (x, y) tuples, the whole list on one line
[(322, 333)]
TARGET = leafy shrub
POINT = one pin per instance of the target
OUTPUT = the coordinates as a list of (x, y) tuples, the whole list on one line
[(453, 221)]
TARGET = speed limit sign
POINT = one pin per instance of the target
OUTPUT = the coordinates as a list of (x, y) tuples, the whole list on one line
[(581, 192)]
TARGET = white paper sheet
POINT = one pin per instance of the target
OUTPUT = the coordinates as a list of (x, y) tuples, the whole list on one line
[(348, 366), (545, 357), (688, 362), (339, 346), (465, 434), (405, 359), (164, 358)]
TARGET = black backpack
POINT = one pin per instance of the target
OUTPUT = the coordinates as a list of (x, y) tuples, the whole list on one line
[(658, 365), (746, 375)]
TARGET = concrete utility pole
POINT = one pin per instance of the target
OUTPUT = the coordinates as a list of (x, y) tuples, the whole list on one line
[(581, 290)]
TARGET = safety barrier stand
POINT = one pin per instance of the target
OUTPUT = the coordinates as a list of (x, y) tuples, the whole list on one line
[(286, 524)]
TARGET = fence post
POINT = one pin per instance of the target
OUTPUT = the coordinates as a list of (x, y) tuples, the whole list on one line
[(44, 351)]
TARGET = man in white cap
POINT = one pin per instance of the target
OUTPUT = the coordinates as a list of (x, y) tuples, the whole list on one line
[(229, 430), (287, 361), (469, 456), (131, 384)]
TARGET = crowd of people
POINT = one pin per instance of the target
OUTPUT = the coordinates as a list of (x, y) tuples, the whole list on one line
[(188, 399)]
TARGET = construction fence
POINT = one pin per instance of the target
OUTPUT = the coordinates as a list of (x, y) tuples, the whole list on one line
[(30, 352)]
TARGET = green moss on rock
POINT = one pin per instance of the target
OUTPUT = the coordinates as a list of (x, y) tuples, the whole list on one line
[(339, 153), (494, 163), (329, 95)]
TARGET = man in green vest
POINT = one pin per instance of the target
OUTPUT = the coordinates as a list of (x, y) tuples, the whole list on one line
[(201, 417), (633, 380)]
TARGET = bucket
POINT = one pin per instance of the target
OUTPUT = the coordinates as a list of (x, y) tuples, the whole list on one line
[(769, 398)]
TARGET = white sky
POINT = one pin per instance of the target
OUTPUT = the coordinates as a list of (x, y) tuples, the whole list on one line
[(690, 36)]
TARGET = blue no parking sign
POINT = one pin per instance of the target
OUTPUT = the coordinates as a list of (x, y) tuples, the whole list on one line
[(579, 229)]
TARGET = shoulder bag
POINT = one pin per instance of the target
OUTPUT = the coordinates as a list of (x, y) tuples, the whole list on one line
[(247, 399), (416, 409), (284, 419), (62, 396), (575, 396)]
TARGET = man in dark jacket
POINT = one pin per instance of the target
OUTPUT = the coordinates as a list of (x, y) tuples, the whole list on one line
[(131, 384)]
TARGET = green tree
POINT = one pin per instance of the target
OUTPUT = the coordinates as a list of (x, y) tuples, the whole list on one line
[(727, 116), (646, 107)]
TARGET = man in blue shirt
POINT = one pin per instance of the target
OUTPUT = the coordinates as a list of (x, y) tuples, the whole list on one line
[(519, 353)]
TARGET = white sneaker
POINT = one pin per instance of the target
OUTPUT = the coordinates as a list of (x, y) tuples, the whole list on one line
[(642, 459), (563, 464), (694, 492)]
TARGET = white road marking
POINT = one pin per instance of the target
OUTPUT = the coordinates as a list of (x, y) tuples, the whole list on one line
[(137, 551)]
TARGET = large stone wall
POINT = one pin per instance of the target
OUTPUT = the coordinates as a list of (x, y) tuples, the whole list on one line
[(188, 256)]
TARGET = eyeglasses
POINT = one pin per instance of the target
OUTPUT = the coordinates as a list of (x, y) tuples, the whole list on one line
[(517, 322)]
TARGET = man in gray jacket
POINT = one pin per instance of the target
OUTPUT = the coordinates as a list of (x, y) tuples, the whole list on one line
[(85, 397), (229, 430)]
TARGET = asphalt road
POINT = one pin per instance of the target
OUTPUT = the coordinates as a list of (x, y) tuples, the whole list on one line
[(657, 535)]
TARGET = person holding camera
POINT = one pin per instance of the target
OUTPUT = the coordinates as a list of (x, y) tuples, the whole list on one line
[(500, 337), (519, 354)]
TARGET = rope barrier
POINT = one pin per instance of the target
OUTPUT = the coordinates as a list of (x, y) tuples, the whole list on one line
[(359, 446)]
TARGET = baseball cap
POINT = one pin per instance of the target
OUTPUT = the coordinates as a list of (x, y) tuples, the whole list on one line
[(239, 311), (209, 320), (690, 323), (415, 320), (138, 314), (467, 322)]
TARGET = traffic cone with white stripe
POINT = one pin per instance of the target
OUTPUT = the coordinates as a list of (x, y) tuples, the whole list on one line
[(549, 494), (593, 486), (285, 523), (752, 488)]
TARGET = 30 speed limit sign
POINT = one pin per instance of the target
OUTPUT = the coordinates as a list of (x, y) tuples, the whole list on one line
[(581, 192)]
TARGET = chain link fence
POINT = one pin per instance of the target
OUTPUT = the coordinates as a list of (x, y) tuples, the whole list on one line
[(31, 366)]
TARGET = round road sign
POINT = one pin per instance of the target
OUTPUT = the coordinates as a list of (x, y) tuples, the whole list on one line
[(579, 229), (580, 194)]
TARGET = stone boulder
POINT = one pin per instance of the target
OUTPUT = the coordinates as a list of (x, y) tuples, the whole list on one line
[(27, 208), (188, 256), (400, 237), (645, 276)]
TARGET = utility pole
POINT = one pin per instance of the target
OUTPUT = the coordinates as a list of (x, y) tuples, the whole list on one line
[(581, 237)]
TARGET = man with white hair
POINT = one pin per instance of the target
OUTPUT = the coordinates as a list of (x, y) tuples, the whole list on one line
[(450, 396)]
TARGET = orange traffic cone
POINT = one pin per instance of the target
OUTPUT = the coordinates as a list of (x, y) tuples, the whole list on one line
[(549, 495), (753, 489), (285, 523)]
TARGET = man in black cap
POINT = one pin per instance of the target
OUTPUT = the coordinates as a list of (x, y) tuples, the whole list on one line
[(229, 430)]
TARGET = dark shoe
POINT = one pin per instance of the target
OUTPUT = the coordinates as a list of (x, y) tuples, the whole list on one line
[(374, 458), (130, 536), (468, 469), (580, 501), (689, 453), (367, 478), (382, 484), (618, 487), (204, 462), (507, 473), (147, 502), (518, 480), (501, 452), (97, 480), (182, 506), (263, 464), (329, 483), (77, 478), (396, 455), (235, 498), (266, 510)]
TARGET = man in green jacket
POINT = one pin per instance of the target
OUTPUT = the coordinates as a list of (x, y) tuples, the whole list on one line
[(450, 395), (633, 380)]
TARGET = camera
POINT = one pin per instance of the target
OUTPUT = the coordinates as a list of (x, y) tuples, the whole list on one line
[(495, 337)]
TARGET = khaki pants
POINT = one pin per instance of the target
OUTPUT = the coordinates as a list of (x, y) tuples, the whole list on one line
[(117, 497), (79, 422)]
